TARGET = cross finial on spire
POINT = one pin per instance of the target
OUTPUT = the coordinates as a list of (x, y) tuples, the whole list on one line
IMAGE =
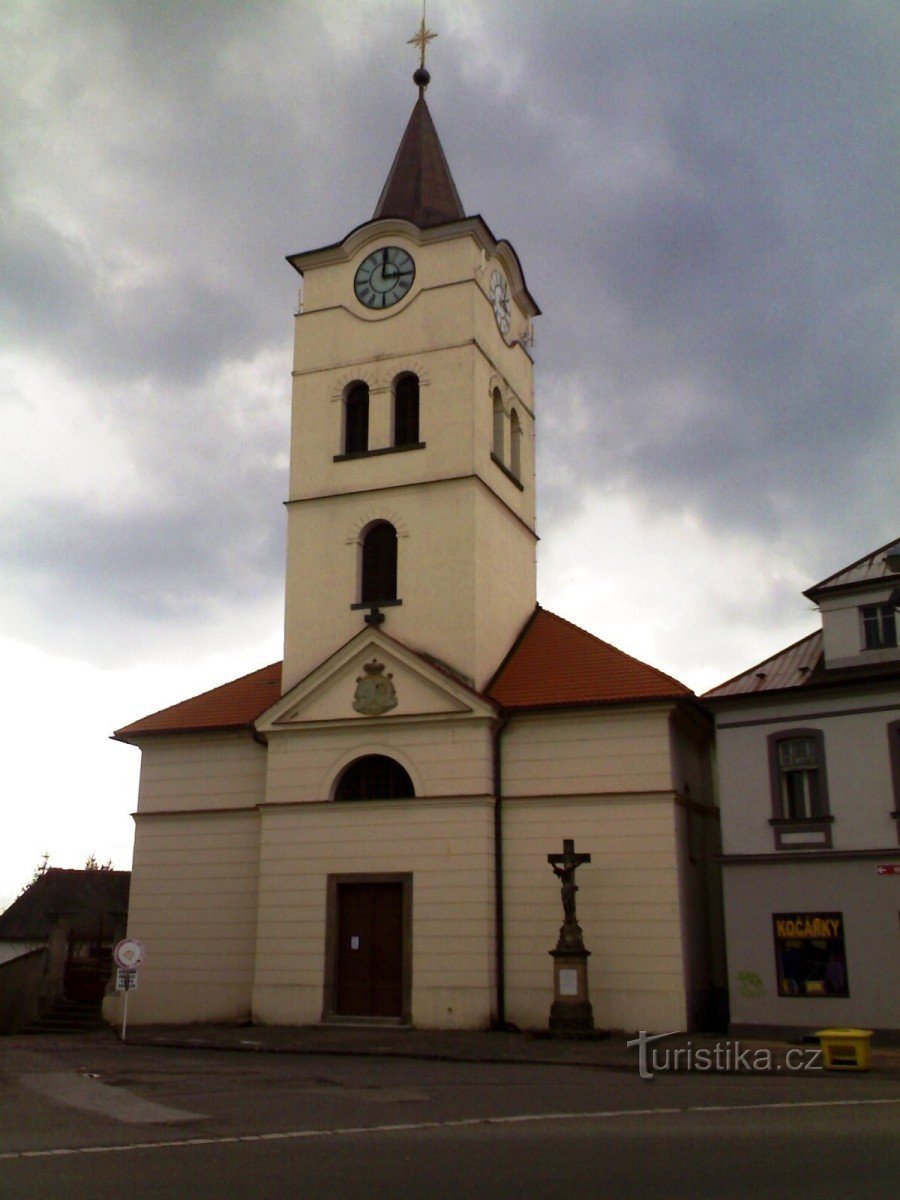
[(423, 36)]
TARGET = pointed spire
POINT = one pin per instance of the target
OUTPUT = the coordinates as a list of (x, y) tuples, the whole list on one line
[(419, 185)]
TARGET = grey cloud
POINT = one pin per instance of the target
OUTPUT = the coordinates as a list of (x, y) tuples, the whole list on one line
[(701, 196)]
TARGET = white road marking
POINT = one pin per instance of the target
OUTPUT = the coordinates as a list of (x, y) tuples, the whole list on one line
[(80, 1091), (417, 1126)]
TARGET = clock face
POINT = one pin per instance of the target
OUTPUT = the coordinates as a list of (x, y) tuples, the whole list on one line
[(499, 297), (384, 277)]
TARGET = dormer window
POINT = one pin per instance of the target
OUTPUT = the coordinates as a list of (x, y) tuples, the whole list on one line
[(879, 626)]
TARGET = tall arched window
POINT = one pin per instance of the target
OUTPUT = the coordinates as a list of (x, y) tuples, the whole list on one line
[(498, 424), (406, 411), (379, 563), (515, 444), (374, 777), (356, 419)]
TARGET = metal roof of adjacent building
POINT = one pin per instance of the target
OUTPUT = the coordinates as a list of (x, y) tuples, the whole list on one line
[(797, 666), (871, 568)]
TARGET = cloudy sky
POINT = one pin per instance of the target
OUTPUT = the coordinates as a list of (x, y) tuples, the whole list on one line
[(702, 195)]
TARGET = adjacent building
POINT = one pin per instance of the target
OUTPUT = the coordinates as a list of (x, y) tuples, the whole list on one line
[(808, 754), (361, 831)]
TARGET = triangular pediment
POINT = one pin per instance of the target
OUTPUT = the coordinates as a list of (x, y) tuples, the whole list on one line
[(374, 678)]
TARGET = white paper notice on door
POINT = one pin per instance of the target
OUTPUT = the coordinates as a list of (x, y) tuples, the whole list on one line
[(354, 942)]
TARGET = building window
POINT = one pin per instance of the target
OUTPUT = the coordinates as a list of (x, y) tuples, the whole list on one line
[(800, 812), (374, 777), (406, 411), (356, 419), (809, 954), (498, 425), (879, 625), (379, 564), (515, 444), (798, 762)]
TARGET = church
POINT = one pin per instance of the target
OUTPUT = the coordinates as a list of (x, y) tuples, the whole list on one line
[(360, 833)]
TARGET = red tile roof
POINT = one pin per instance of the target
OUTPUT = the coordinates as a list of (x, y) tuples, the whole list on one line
[(555, 663), (233, 705), (552, 664)]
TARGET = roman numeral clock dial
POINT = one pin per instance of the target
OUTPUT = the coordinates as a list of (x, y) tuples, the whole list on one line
[(384, 277)]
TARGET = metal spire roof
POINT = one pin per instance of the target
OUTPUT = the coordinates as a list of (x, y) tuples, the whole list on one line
[(419, 185)]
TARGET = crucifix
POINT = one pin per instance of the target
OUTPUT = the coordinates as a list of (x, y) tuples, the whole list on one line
[(564, 866), (571, 1012)]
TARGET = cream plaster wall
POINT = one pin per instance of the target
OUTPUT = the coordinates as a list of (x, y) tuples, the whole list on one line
[(591, 752), (444, 759), (193, 905), (628, 908), (445, 844), (448, 593), (201, 771)]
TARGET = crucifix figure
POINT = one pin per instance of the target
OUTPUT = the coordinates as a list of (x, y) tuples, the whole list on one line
[(564, 866)]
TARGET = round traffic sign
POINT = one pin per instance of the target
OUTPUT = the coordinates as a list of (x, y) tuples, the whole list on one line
[(128, 953)]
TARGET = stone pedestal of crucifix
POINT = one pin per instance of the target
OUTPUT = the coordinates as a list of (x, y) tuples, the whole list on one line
[(571, 1010)]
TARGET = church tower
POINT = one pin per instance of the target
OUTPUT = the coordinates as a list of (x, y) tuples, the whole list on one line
[(362, 833), (412, 490)]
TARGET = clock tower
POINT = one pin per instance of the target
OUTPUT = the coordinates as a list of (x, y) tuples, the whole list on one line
[(412, 491)]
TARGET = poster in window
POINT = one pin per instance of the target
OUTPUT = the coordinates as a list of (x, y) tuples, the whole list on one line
[(809, 954)]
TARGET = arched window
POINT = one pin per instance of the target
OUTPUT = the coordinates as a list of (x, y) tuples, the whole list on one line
[(406, 411), (379, 563), (498, 424), (356, 419), (515, 444), (374, 777)]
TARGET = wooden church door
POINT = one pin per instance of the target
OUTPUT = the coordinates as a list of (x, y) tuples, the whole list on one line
[(369, 974)]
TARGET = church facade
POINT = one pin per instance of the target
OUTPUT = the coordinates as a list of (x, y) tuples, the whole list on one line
[(361, 831)]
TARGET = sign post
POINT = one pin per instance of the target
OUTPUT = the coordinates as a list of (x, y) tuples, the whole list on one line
[(128, 956)]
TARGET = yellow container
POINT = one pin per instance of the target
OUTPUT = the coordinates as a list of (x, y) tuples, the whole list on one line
[(845, 1049)]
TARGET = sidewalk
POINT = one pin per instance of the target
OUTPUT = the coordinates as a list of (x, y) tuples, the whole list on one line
[(607, 1053)]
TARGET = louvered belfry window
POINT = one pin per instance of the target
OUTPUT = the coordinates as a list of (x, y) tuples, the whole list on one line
[(406, 411), (356, 419), (379, 563)]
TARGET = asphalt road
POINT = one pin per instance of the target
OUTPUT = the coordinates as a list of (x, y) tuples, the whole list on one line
[(96, 1120)]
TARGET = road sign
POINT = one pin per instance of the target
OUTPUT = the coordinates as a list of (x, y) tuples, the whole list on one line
[(128, 953), (889, 869), (126, 979)]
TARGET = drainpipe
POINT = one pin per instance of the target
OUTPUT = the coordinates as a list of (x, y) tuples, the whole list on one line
[(500, 1022)]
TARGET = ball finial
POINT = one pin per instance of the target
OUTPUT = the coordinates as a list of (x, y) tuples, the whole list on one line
[(421, 78)]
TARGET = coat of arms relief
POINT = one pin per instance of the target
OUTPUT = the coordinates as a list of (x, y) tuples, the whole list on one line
[(375, 692)]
